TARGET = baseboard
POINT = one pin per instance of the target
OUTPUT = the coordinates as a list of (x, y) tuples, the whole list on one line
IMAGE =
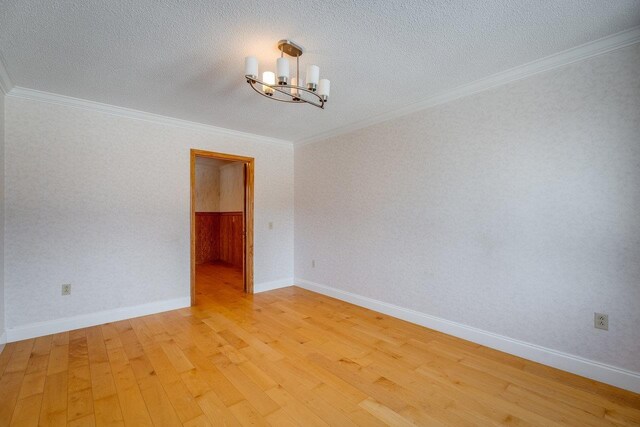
[(269, 286), (3, 339), (39, 329), (567, 362)]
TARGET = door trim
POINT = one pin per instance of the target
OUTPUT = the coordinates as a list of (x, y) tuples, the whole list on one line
[(247, 264)]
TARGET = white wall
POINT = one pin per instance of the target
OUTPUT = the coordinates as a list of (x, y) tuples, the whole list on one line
[(102, 202), (515, 210), (232, 187), (2, 299), (207, 191)]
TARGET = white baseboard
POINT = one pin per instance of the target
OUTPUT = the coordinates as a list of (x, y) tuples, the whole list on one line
[(269, 286), (39, 329), (567, 362)]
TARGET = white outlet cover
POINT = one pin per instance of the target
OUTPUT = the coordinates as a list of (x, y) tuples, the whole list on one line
[(601, 321)]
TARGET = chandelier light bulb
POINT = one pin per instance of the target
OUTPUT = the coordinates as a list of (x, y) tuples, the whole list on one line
[(251, 67), (324, 87), (269, 78), (313, 75), (282, 68)]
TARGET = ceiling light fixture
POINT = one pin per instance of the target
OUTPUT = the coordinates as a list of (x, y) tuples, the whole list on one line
[(277, 87)]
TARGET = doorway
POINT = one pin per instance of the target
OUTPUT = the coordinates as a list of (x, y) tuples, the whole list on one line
[(222, 228)]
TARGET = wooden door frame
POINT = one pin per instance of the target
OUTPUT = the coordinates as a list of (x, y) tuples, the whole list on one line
[(247, 264)]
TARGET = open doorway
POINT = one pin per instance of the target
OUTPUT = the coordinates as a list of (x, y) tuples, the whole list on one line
[(221, 224)]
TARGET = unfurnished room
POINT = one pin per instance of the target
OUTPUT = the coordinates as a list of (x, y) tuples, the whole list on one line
[(319, 213)]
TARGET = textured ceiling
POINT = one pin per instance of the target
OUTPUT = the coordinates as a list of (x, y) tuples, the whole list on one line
[(184, 59)]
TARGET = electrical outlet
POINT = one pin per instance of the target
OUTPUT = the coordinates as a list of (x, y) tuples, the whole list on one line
[(601, 321), (66, 289), (313, 263)]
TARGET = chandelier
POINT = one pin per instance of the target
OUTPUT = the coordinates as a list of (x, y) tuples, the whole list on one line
[(279, 87)]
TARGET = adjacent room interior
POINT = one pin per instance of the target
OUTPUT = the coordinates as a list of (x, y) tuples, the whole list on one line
[(219, 226), (300, 213)]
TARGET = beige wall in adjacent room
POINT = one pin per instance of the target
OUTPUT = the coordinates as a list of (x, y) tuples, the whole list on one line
[(207, 192), (219, 185), (232, 187)]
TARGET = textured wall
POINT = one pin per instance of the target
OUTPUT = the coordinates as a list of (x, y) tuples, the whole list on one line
[(102, 202), (515, 210), (232, 187), (207, 187), (2, 285)]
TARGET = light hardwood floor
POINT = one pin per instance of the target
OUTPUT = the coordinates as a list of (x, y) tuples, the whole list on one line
[(282, 358)]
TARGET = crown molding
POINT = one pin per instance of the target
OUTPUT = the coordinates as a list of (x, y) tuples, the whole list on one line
[(579, 53), (575, 54), (5, 81), (52, 98)]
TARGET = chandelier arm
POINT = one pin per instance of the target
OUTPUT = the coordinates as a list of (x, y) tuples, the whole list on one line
[(278, 89), (269, 97), (252, 82), (294, 100)]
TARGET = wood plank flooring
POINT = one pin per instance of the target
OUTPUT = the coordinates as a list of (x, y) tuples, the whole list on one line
[(288, 357)]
